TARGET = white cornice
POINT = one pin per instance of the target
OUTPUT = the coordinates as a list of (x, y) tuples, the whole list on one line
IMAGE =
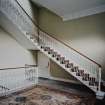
[(84, 13)]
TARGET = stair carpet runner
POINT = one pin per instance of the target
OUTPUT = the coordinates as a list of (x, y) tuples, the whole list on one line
[(85, 76)]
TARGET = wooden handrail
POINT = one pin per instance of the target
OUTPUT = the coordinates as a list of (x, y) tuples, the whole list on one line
[(56, 38), (11, 68), (71, 48)]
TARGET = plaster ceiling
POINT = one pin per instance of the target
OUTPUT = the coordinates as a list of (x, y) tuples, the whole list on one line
[(72, 9)]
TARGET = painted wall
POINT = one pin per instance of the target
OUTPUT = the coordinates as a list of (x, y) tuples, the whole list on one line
[(43, 65), (12, 54), (57, 71), (86, 35)]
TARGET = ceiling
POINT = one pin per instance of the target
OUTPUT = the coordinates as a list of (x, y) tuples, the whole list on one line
[(72, 9)]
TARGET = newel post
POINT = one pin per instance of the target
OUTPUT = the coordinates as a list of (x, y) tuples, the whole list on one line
[(99, 80)]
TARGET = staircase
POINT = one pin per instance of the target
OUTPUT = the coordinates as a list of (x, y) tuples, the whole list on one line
[(88, 73), (75, 63)]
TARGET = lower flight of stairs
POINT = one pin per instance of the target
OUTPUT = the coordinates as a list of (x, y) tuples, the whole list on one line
[(91, 81)]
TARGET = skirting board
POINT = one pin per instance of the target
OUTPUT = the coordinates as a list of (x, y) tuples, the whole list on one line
[(63, 80), (103, 83)]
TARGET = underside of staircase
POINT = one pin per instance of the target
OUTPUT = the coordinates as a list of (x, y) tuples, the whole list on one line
[(87, 71)]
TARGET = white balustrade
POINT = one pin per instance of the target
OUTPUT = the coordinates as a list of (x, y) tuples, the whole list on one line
[(12, 80)]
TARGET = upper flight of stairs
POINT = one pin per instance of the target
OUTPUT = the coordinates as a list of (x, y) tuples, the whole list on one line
[(78, 65)]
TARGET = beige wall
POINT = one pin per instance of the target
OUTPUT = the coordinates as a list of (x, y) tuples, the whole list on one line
[(12, 54), (57, 71), (86, 35)]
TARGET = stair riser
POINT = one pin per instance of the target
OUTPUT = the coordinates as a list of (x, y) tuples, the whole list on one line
[(50, 52), (69, 65)]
